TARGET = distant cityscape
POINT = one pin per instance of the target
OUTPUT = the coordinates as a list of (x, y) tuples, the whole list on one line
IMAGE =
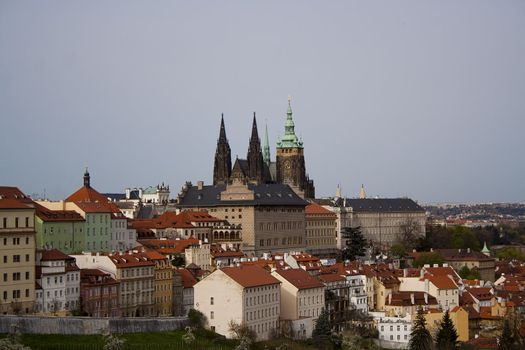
[(257, 249)]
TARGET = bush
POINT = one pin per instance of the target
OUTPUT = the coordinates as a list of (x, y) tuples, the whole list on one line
[(197, 319)]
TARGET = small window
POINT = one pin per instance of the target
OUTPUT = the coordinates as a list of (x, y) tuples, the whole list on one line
[(211, 301), (212, 315)]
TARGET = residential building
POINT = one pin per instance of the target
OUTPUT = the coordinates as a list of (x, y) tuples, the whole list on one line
[(401, 304), (394, 332), (458, 258), (188, 282), (59, 229), (100, 293), (163, 284), (17, 252), (136, 274), (302, 300), (200, 255), (337, 299), (459, 317), (245, 295)]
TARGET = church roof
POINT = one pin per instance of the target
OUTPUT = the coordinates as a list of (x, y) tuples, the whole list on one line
[(265, 194), (382, 204), (86, 194)]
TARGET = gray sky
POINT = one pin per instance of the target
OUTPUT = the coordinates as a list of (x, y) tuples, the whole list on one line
[(416, 98)]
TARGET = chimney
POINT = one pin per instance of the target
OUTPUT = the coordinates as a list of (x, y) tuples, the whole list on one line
[(426, 285), (436, 265), (468, 250), (426, 298), (200, 184), (405, 272), (389, 298), (412, 299), (445, 265), (128, 193), (431, 249)]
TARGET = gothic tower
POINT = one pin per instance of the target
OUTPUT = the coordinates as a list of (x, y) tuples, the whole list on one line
[(291, 168), (223, 161), (257, 169)]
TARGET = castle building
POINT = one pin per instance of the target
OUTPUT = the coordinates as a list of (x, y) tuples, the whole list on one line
[(289, 167)]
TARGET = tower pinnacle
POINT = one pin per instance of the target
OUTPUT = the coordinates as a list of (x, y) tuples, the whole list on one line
[(266, 147), (86, 178)]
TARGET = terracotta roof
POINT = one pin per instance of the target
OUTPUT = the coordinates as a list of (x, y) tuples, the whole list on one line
[(14, 204), (331, 277), (481, 293), (462, 255), (168, 246), (405, 299), (86, 194), (442, 282), (92, 272), (300, 278), (95, 207), (188, 281), (154, 255), (53, 254), (48, 215), (126, 260), (483, 343), (8, 192), (315, 209), (250, 276)]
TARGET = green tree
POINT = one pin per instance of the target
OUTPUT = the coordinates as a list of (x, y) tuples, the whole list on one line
[(447, 336), (197, 319), (509, 253), (420, 338), (469, 274), (428, 258), (510, 338), (322, 331), (398, 250), (354, 241), (188, 337), (178, 261)]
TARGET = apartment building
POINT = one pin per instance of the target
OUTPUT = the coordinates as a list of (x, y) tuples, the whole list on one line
[(17, 252), (321, 231), (100, 293), (246, 295), (302, 300)]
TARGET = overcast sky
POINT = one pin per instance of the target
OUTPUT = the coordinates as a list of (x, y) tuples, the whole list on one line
[(410, 98)]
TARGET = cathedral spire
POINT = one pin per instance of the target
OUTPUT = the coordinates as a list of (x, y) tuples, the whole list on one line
[(255, 134), (222, 132), (362, 193), (223, 161), (266, 147), (290, 139)]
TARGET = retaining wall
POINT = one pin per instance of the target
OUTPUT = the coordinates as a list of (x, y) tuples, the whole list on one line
[(90, 325)]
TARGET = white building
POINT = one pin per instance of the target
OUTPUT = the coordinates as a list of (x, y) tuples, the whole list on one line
[(59, 279), (302, 300), (358, 292), (245, 295), (394, 332), (199, 255), (123, 237)]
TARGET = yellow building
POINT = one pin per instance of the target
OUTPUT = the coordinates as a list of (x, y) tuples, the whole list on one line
[(163, 283), (459, 317), (17, 252), (321, 233)]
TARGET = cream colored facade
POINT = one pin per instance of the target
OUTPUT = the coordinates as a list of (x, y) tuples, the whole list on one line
[(199, 255), (321, 233), (163, 287), (265, 228), (447, 298), (222, 300), (17, 254)]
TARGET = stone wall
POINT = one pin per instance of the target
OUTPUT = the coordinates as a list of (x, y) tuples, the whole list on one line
[(89, 325)]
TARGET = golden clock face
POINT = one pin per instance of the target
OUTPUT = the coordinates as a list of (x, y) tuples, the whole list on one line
[(287, 164)]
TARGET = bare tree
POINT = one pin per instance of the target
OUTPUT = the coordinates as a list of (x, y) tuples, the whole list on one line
[(409, 233)]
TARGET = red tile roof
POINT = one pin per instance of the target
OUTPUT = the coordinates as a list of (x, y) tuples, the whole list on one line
[(314, 209), (53, 254), (126, 260), (86, 194), (8, 192), (48, 215), (300, 278), (331, 277), (250, 276), (442, 282), (405, 299), (14, 204), (188, 281), (168, 246)]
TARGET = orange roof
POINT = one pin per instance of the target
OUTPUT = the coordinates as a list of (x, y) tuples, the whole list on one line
[(94, 207), (8, 192), (315, 209), (126, 260), (13, 204), (250, 276), (188, 281), (53, 254), (442, 282), (46, 214), (168, 246), (86, 194), (300, 278), (331, 277), (153, 255)]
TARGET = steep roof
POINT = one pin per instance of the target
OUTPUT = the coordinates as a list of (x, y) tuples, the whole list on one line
[(300, 278), (188, 281), (265, 194), (14, 204), (405, 299), (442, 282), (86, 194), (462, 255), (168, 246), (250, 276)]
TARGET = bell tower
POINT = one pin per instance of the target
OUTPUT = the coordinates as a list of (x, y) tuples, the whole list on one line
[(291, 168)]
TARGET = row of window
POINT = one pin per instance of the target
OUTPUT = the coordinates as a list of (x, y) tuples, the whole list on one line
[(16, 294), (16, 241), (16, 258), (16, 276), (279, 226), (284, 241), (255, 315), (17, 222)]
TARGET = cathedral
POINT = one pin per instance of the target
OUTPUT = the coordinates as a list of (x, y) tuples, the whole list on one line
[(289, 167)]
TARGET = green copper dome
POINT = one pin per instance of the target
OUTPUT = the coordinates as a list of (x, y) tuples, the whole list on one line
[(289, 140)]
